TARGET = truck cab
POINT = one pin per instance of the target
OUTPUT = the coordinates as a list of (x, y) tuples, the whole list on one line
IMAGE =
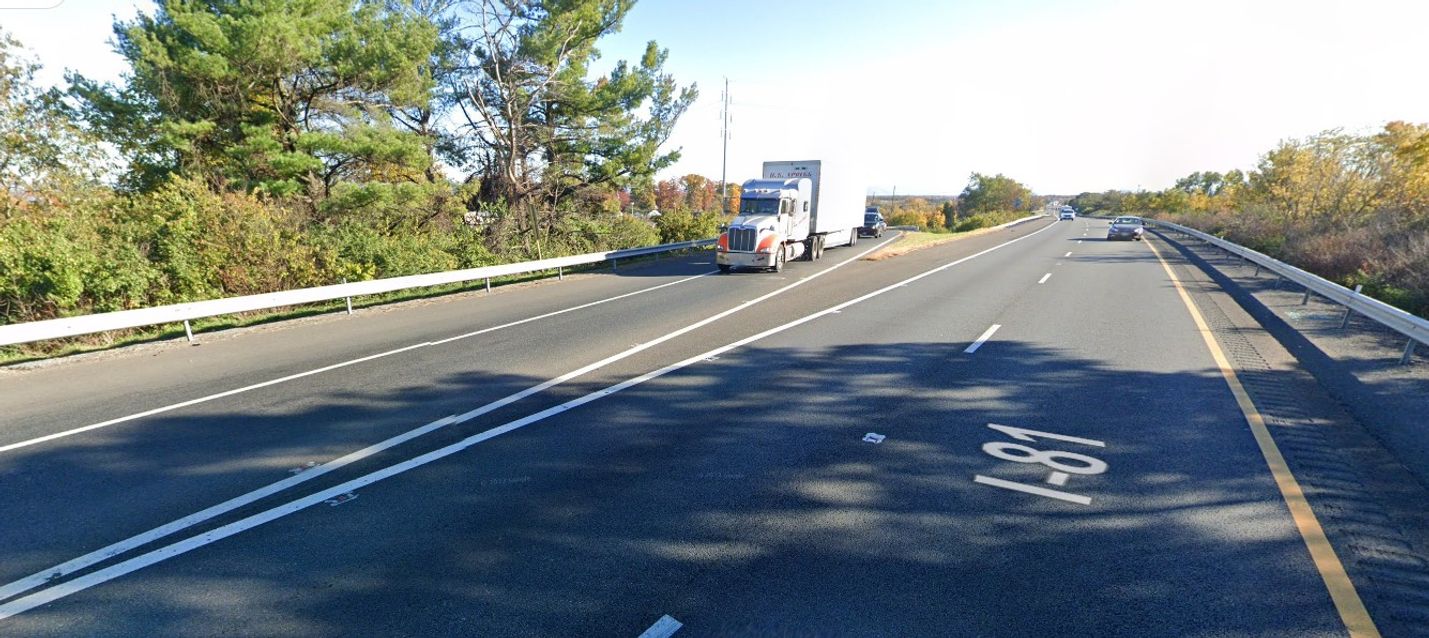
[(772, 225)]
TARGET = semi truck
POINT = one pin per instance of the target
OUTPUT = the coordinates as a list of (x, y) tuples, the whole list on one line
[(795, 210)]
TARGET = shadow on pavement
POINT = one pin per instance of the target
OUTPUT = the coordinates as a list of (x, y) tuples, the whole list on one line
[(736, 495)]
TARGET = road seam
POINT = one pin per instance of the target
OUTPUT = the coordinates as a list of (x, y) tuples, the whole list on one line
[(1342, 590)]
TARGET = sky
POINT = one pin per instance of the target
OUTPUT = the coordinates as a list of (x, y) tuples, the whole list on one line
[(1064, 95)]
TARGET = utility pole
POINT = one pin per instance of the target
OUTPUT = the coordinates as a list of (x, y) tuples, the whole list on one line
[(724, 152), (891, 199)]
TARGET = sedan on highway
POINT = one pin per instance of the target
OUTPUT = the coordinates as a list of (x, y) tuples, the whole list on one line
[(873, 225), (1127, 228)]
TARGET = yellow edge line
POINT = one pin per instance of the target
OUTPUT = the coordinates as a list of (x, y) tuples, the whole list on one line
[(1332, 571)]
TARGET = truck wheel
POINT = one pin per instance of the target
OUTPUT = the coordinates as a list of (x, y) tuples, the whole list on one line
[(725, 268), (811, 249), (820, 248), (779, 261), (853, 239)]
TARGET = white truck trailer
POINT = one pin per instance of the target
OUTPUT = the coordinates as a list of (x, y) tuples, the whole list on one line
[(795, 210)]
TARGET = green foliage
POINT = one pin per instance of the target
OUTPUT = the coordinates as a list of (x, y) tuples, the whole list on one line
[(277, 144), (986, 220), (997, 193), (280, 97), (681, 225)]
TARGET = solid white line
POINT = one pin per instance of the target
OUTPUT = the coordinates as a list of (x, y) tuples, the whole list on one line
[(663, 628), (1023, 487), (39, 578), (335, 366), (987, 334), (1044, 278), (26, 603)]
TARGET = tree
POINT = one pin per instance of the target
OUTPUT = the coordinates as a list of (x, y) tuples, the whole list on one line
[(996, 193), (281, 97), (669, 196), (543, 131), (41, 145), (700, 193)]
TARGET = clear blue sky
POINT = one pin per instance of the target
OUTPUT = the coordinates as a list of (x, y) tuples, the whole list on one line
[(1065, 95)]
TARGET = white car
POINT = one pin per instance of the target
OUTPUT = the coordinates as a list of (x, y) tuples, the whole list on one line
[(1066, 213)]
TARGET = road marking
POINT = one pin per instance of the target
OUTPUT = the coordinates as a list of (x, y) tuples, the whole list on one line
[(987, 334), (1069, 253), (873, 437), (1058, 478), (335, 366), (1342, 590), (100, 576), (1044, 278), (663, 628), (1079, 242), (34, 580), (1007, 485)]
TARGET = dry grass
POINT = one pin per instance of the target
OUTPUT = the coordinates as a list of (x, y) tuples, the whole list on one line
[(912, 241)]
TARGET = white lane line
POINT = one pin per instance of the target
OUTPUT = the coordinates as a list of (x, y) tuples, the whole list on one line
[(1069, 254), (39, 578), (1023, 487), (1079, 242), (335, 366), (1044, 278), (100, 576), (663, 628), (987, 334)]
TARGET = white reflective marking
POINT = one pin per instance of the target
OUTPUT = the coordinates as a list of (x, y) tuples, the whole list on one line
[(663, 628), (987, 334), (1044, 278), (1058, 478), (873, 438), (1023, 487)]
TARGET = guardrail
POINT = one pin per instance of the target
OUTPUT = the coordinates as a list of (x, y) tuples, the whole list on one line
[(1416, 329), (184, 312)]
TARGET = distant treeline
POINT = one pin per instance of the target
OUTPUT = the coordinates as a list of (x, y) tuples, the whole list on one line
[(987, 200), (1350, 208)]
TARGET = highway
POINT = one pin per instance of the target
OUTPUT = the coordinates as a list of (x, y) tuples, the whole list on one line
[(1025, 432)]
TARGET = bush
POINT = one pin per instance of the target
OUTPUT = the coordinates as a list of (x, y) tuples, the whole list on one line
[(680, 225)]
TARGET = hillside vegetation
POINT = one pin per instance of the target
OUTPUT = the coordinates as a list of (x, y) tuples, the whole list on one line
[(263, 145), (1350, 208)]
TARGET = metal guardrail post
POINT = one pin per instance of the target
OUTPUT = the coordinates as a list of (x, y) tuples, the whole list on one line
[(560, 273), (488, 285), (1415, 329), (188, 331), (1345, 323), (348, 298), (615, 264)]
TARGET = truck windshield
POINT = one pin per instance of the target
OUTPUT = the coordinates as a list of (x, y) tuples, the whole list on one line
[(751, 206)]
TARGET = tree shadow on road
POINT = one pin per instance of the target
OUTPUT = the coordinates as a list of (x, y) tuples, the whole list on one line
[(736, 494)]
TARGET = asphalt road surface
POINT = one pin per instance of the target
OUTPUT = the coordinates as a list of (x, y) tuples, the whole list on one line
[(1019, 433)]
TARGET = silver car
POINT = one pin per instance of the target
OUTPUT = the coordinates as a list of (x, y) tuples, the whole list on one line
[(1126, 228)]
